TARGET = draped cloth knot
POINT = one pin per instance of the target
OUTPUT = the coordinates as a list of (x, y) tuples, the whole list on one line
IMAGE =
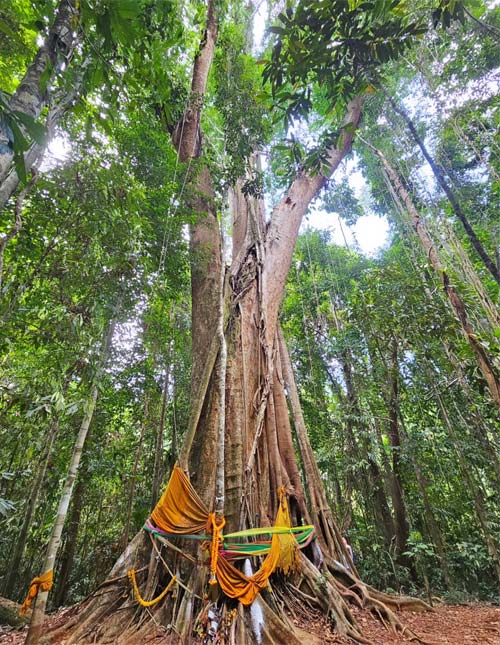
[(288, 560), (214, 549), (41, 583)]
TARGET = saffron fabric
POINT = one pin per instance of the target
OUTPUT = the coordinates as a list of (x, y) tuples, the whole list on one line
[(180, 511), (41, 583)]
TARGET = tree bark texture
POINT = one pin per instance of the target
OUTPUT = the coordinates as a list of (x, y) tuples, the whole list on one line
[(70, 541)]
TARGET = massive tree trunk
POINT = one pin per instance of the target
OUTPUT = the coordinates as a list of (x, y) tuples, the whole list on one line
[(257, 449)]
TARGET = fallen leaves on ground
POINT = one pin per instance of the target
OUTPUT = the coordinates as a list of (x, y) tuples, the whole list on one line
[(447, 625)]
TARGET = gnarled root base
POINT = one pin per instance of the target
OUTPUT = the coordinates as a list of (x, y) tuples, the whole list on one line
[(112, 614), (382, 605)]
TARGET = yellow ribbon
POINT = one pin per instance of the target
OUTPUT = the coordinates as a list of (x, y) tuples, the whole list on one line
[(140, 599)]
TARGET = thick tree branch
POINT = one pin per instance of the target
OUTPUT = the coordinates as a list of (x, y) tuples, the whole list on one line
[(287, 217), (186, 136)]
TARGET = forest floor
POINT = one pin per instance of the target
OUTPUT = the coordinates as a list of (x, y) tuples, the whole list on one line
[(448, 625), (475, 624)]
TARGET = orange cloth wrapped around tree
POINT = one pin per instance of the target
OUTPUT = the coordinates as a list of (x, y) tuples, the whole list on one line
[(42, 583), (282, 555), (236, 584), (181, 512)]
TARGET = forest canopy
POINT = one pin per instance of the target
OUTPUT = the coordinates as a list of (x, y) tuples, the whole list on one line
[(165, 298)]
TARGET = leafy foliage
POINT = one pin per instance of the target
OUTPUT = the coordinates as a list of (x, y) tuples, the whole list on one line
[(336, 47)]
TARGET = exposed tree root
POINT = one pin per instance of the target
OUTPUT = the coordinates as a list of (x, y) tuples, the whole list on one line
[(349, 581), (112, 614), (379, 603), (321, 585)]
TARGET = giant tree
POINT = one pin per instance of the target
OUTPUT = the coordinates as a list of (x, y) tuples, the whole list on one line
[(238, 447)]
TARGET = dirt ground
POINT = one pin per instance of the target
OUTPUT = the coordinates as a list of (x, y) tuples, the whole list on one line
[(447, 625)]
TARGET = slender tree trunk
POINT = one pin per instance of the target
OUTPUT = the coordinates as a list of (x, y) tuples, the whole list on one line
[(38, 616), (476, 424), (400, 514), (375, 492), (368, 481), (430, 518), (329, 534), (32, 96), (474, 489), (68, 555), (158, 463), (474, 420), (15, 561), (455, 204), (465, 268), (457, 304), (424, 66), (133, 476)]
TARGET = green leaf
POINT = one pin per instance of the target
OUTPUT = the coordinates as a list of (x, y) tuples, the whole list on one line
[(35, 129), (8, 31)]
